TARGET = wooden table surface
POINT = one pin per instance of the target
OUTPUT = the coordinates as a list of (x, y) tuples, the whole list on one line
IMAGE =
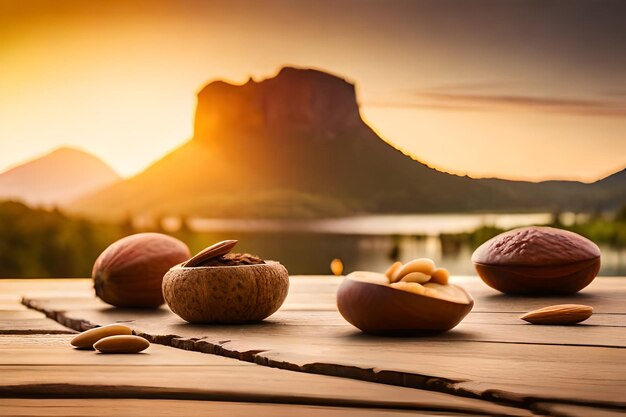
[(305, 360)]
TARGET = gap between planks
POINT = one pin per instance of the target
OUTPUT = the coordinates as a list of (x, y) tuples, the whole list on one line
[(415, 381)]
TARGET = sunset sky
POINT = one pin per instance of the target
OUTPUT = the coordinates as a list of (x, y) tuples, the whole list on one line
[(515, 89)]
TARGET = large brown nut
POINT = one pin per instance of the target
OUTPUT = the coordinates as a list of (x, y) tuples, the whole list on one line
[(377, 308), (226, 294), (537, 260), (129, 272)]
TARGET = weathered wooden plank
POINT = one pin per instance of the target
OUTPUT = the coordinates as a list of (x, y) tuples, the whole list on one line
[(11, 306), (21, 314), (47, 350), (231, 383), (33, 326), (492, 354), (94, 407), (298, 324), (570, 410), (55, 370), (36, 287), (457, 361), (598, 319)]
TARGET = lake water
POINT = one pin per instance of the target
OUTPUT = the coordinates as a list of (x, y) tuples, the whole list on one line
[(371, 242), (405, 225)]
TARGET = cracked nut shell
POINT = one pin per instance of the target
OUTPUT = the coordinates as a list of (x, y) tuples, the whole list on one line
[(383, 309), (226, 294)]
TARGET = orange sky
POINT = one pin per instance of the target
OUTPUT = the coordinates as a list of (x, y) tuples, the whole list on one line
[(509, 89)]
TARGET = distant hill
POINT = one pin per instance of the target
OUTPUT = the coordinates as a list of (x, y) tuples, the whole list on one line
[(295, 145), (56, 178)]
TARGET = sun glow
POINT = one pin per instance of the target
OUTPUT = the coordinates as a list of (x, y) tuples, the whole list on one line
[(119, 80)]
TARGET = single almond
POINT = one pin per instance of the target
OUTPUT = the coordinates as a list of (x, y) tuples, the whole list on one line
[(423, 265), (559, 314), (392, 269), (86, 339), (418, 277), (121, 344), (413, 287), (440, 276), (213, 251)]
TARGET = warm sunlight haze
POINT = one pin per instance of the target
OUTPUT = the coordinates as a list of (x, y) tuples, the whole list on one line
[(333, 208), (118, 79)]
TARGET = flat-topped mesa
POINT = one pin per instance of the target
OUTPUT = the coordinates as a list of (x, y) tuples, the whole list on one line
[(295, 99)]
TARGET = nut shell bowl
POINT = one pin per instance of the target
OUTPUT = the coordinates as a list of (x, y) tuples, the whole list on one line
[(537, 261), (226, 294), (381, 309)]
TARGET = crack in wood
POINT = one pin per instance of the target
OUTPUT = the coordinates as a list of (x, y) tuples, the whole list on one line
[(402, 379)]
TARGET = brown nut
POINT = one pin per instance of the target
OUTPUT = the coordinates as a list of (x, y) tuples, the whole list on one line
[(418, 277), (392, 269), (424, 265), (213, 251), (86, 339), (401, 307), (440, 276), (537, 260), (121, 344), (129, 272), (226, 294), (559, 314)]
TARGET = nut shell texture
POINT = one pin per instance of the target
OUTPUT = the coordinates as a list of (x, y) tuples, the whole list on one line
[(537, 260), (381, 309), (129, 272), (536, 246), (226, 294)]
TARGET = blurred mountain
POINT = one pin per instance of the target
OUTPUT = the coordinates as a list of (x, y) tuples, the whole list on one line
[(612, 191), (295, 145), (56, 178)]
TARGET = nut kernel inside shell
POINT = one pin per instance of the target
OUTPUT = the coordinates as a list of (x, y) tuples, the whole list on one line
[(418, 277), (392, 269), (226, 294), (423, 265), (400, 307)]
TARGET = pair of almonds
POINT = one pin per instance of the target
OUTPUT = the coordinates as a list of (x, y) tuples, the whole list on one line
[(559, 314), (114, 338), (421, 271)]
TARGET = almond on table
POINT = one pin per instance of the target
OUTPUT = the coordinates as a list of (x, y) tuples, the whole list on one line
[(122, 344), (559, 314), (86, 339)]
